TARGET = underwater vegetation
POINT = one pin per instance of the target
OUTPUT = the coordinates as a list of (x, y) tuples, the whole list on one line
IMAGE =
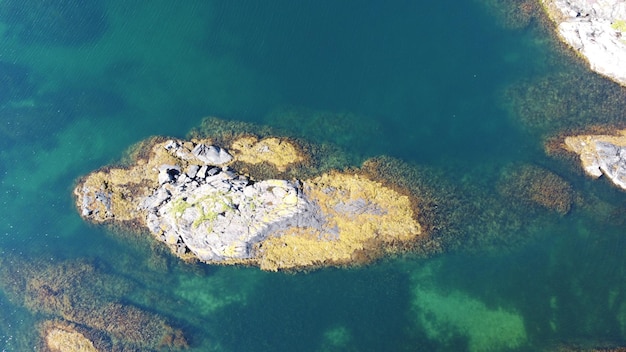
[(530, 185), (515, 14), (76, 293), (566, 100), (15, 82), (356, 134)]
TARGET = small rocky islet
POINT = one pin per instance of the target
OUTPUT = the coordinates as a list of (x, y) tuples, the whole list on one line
[(601, 153), (199, 199)]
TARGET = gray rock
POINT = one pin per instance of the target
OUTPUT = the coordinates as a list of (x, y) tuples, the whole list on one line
[(86, 204), (357, 207), (168, 173), (612, 162), (229, 173), (211, 155), (192, 170), (105, 199), (171, 145), (202, 172), (153, 201), (224, 217)]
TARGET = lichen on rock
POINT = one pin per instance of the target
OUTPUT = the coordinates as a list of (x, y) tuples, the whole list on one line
[(197, 198)]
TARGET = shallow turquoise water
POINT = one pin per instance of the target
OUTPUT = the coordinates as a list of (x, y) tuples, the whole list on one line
[(420, 82)]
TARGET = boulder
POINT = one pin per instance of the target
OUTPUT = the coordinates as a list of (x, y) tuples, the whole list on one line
[(211, 155), (612, 162), (168, 173), (192, 170)]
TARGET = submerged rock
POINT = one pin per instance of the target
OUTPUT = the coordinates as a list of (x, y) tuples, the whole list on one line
[(529, 185), (596, 30), (192, 196), (61, 336), (84, 303)]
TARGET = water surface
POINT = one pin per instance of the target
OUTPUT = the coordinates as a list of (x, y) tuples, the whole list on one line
[(422, 82)]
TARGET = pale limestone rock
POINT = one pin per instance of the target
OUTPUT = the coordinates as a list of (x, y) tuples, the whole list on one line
[(594, 28)]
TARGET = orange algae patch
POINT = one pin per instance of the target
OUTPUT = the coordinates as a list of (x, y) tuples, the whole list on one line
[(275, 151), (361, 214)]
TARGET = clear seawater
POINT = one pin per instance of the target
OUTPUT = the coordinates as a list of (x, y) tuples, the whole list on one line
[(423, 82)]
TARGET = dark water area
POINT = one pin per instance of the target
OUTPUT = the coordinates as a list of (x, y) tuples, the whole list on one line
[(455, 89)]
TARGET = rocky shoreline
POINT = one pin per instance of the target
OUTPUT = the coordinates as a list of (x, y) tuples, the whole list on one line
[(595, 29), (600, 154), (194, 197)]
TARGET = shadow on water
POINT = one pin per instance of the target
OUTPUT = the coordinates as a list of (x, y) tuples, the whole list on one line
[(15, 82), (356, 310)]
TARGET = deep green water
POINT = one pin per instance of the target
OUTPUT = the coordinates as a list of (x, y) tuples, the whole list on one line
[(424, 82)]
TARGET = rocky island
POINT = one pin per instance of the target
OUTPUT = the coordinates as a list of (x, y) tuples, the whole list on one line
[(600, 154), (198, 197), (596, 29)]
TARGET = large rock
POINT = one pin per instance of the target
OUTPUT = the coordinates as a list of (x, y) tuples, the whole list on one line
[(221, 217), (211, 154), (595, 29), (601, 155)]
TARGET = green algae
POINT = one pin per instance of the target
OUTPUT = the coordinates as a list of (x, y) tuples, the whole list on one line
[(619, 25), (179, 206)]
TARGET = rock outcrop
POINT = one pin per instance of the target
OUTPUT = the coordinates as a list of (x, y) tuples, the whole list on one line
[(596, 29), (191, 196), (601, 155)]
